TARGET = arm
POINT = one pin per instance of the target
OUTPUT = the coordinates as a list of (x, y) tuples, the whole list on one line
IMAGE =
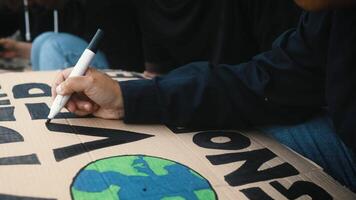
[(282, 85)]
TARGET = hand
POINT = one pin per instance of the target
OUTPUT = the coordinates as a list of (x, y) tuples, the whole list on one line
[(150, 75), (318, 5), (94, 93), (14, 49)]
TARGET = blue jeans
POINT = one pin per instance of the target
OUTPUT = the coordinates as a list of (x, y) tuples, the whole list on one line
[(317, 141), (54, 51)]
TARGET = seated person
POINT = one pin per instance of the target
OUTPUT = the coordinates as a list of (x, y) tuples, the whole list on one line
[(307, 70), (42, 18), (166, 38)]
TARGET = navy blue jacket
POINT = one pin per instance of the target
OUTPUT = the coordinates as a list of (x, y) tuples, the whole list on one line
[(307, 69)]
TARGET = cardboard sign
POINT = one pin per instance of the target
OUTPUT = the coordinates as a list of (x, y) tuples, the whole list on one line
[(90, 158)]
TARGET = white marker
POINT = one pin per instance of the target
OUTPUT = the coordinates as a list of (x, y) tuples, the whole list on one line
[(79, 69)]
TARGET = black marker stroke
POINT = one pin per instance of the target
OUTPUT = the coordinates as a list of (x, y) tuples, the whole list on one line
[(8, 135), (255, 193), (31, 159), (14, 197), (7, 114), (113, 137), (301, 188), (249, 172), (23, 90), (41, 111), (237, 140), (4, 102)]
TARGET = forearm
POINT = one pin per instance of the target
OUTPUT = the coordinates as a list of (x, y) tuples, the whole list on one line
[(198, 96), (283, 85)]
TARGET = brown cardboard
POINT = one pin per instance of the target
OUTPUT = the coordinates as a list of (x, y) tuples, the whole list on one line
[(50, 177)]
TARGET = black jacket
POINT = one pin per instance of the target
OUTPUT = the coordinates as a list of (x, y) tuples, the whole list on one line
[(171, 33), (307, 69), (175, 33), (9, 21)]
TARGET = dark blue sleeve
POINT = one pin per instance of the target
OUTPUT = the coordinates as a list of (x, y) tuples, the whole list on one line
[(278, 86)]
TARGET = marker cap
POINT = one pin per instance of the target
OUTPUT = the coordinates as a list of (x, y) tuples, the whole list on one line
[(94, 43)]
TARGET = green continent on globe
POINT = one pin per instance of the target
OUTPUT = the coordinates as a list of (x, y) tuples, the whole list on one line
[(122, 165), (136, 177), (158, 165)]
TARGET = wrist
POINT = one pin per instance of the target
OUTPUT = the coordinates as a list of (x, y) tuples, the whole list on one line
[(118, 104)]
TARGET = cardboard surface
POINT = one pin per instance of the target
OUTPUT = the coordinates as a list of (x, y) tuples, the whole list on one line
[(90, 158)]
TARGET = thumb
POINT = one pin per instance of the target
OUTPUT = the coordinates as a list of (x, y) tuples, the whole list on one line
[(75, 84)]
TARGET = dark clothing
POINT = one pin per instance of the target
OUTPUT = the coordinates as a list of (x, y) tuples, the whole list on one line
[(42, 20), (171, 33), (9, 22), (306, 69), (175, 33), (82, 18), (341, 75), (122, 41), (70, 19)]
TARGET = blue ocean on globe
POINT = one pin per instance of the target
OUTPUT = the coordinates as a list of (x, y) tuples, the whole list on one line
[(140, 177)]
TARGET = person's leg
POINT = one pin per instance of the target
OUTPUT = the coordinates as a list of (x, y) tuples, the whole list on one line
[(63, 50), (317, 141), (35, 49)]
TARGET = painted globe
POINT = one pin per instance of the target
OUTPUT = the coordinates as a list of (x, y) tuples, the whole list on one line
[(136, 177)]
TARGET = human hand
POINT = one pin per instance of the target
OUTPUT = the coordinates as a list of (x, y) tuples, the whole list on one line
[(13, 49), (150, 75), (318, 5), (94, 93)]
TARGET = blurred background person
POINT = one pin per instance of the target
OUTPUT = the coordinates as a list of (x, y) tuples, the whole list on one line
[(159, 36)]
